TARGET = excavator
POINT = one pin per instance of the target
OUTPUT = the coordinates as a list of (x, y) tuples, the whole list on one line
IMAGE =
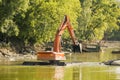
[(56, 55)]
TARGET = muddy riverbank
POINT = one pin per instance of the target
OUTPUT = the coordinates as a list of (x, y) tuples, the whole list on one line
[(7, 54)]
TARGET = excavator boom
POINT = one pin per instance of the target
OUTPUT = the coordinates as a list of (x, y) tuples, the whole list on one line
[(65, 24)]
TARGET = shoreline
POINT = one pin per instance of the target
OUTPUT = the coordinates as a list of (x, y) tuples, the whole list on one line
[(7, 54)]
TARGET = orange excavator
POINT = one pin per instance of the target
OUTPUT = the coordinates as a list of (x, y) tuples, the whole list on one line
[(55, 56)]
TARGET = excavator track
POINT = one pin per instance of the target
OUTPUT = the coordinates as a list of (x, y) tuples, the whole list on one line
[(51, 62)]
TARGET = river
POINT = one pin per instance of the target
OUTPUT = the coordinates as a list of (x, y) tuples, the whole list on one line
[(91, 68)]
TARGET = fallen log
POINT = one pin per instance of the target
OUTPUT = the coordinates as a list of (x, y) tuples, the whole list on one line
[(113, 62)]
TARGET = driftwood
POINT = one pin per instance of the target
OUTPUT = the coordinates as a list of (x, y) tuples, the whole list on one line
[(4, 54), (113, 62), (116, 52)]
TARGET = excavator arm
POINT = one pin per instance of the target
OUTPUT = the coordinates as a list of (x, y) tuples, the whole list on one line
[(65, 24)]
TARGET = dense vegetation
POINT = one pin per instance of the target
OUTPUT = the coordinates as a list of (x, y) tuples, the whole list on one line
[(36, 21)]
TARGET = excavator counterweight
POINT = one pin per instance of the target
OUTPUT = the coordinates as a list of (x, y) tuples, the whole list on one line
[(50, 55)]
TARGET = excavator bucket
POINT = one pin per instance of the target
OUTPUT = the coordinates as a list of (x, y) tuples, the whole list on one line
[(77, 48)]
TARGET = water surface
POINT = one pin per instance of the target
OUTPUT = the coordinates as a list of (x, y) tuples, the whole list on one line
[(89, 69)]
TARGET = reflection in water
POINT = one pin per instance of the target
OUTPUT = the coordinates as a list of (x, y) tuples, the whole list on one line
[(77, 75), (82, 72), (50, 73), (59, 73), (117, 72)]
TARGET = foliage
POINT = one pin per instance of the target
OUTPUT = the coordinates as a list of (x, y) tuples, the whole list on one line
[(98, 17), (8, 8), (36, 21), (43, 18)]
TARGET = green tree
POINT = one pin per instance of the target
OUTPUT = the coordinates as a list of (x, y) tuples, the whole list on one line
[(99, 16), (42, 19), (9, 8), (72, 8)]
